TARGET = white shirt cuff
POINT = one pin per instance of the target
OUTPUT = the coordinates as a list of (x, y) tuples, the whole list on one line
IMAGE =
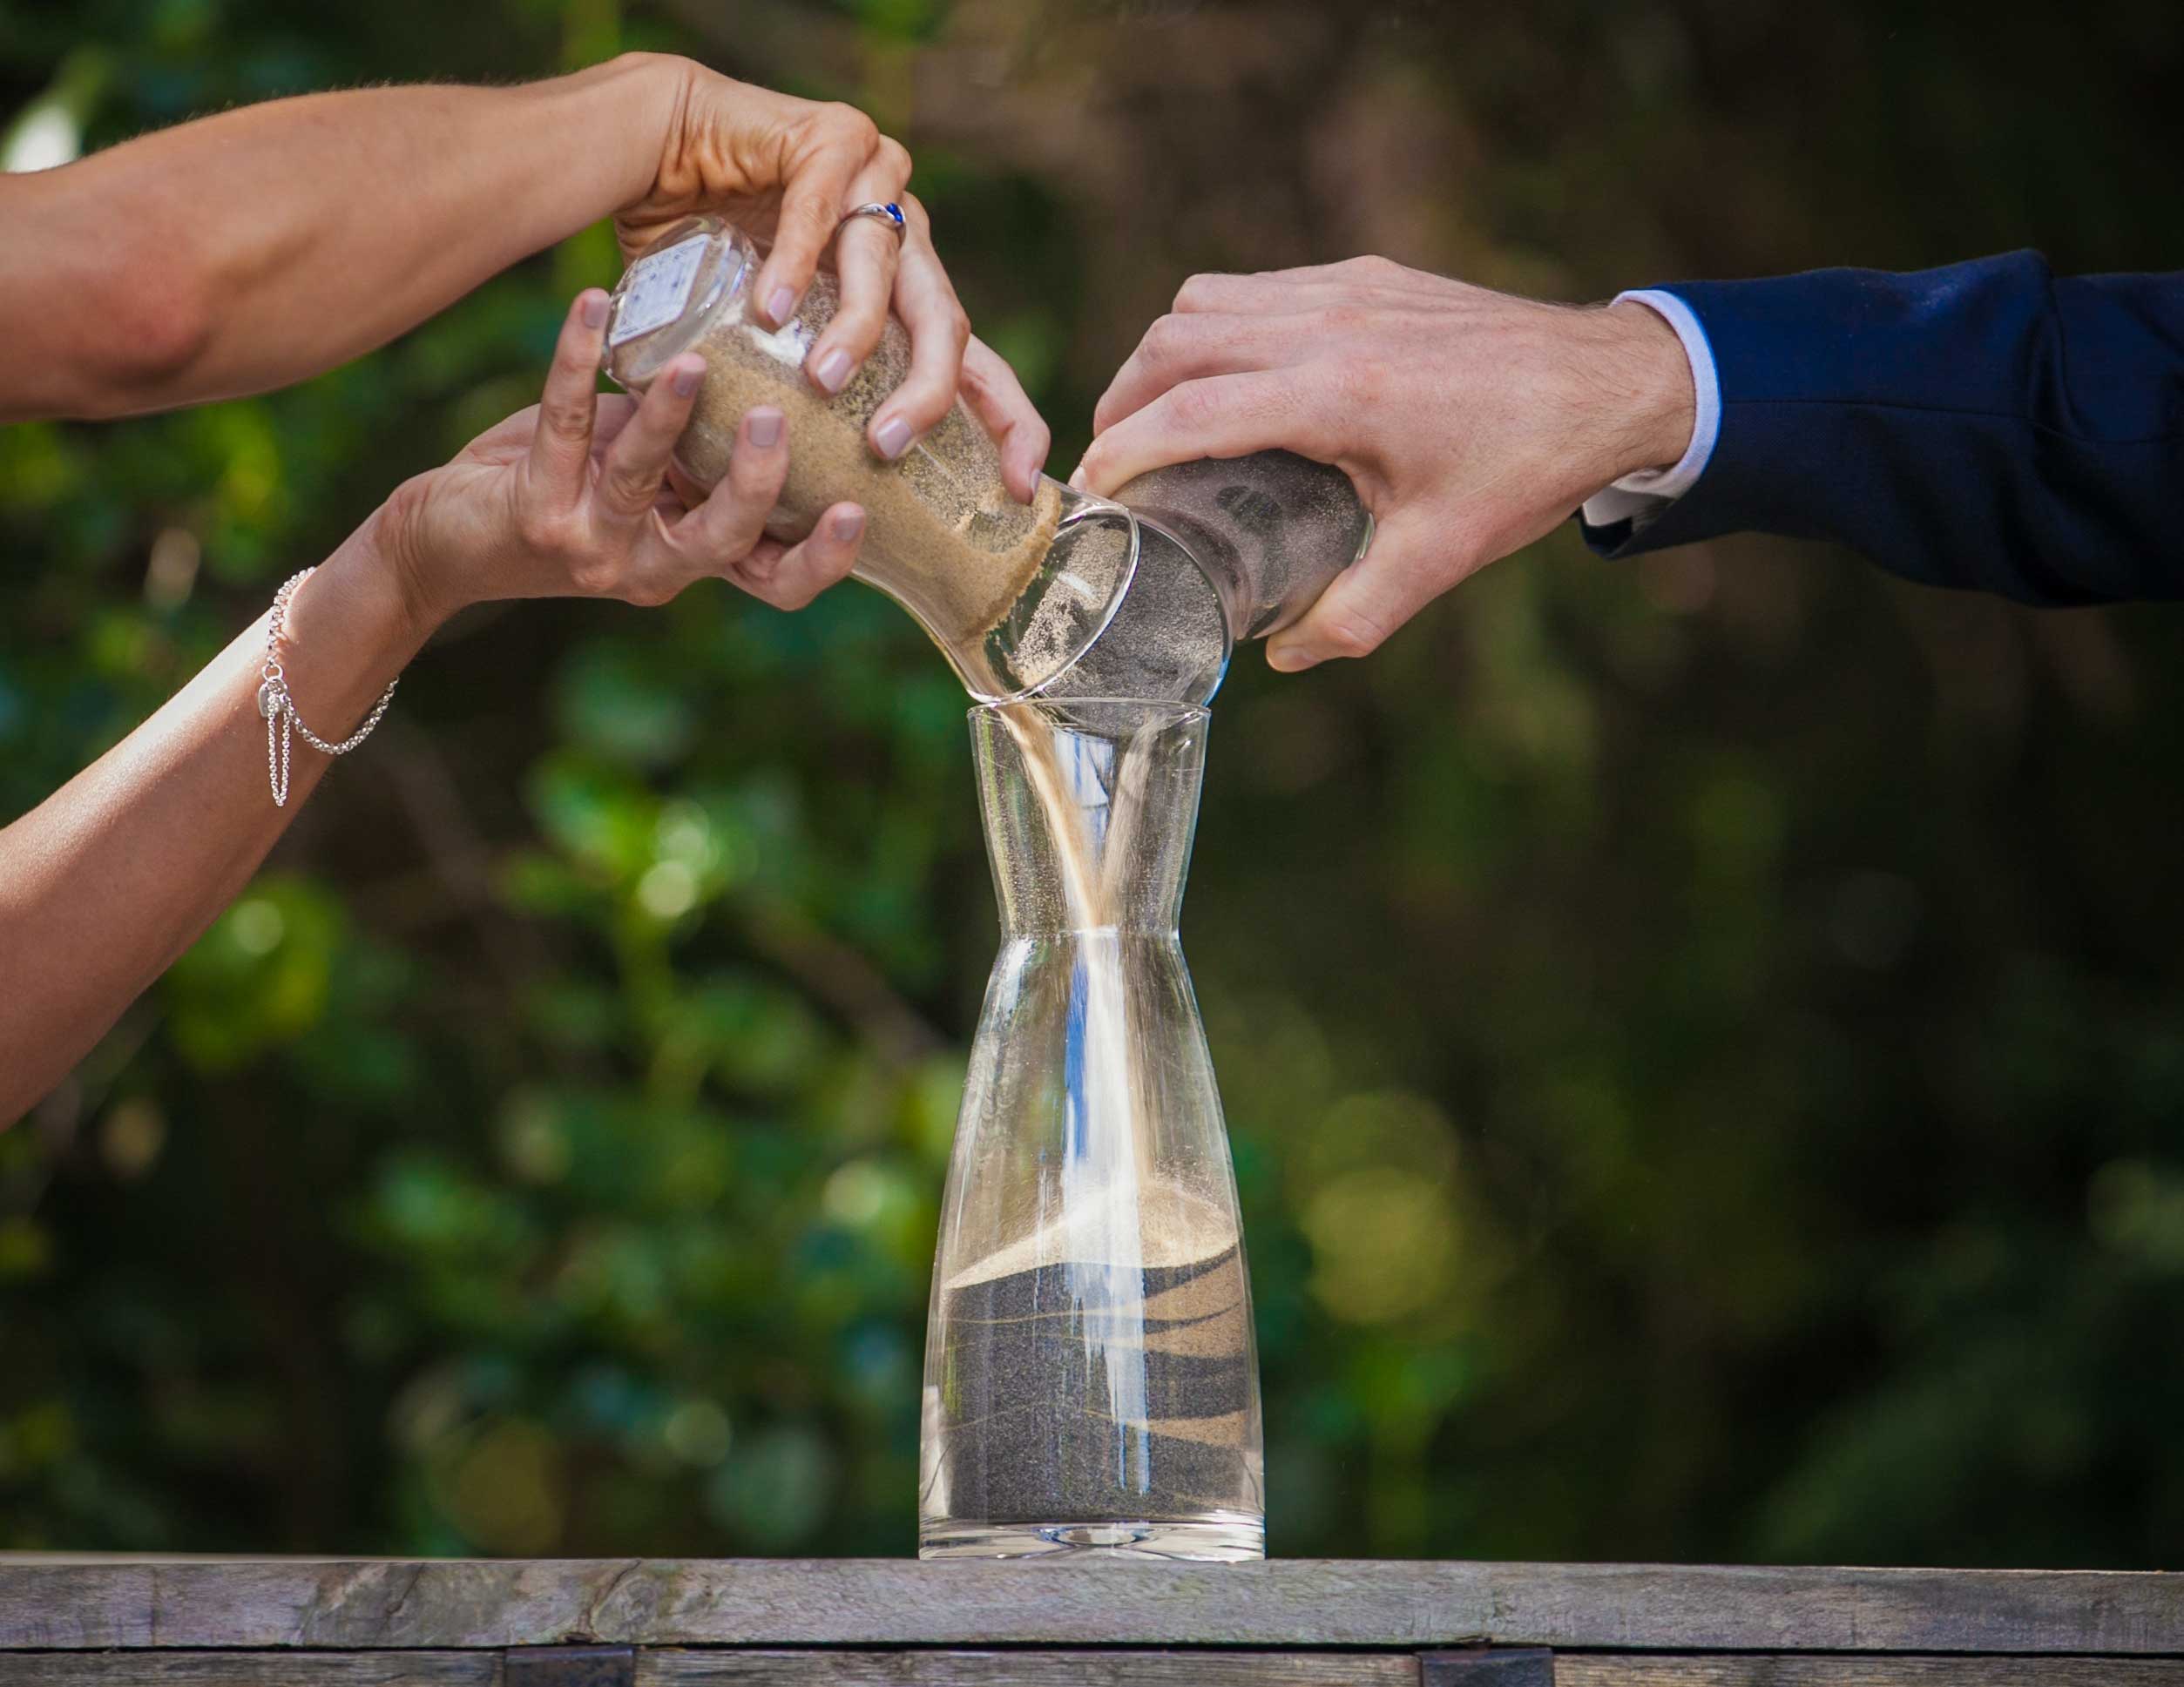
[(1650, 490)]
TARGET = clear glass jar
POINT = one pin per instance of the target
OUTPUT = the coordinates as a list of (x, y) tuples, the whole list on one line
[(1012, 593), (1091, 1383), (1229, 549)]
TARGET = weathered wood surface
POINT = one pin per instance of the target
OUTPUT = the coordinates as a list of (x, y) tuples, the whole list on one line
[(777, 1667), (727, 1669), (1031, 1668), (1777, 1670), (344, 1604), (250, 1668)]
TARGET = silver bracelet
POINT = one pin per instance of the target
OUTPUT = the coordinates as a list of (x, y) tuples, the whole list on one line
[(279, 708)]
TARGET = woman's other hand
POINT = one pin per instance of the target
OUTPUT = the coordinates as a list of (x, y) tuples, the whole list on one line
[(571, 499)]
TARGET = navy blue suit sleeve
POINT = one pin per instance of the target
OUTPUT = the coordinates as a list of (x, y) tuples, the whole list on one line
[(1987, 425)]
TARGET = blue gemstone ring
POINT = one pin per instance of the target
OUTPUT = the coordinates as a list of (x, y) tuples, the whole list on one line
[(889, 214)]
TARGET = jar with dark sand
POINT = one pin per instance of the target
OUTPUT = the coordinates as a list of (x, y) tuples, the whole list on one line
[(1092, 1385), (1012, 593), (1228, 548)]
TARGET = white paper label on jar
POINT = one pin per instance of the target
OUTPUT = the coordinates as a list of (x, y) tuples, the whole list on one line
[(658, 288)]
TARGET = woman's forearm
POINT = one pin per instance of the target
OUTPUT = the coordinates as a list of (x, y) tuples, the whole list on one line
[(103, 884), (265, 244)]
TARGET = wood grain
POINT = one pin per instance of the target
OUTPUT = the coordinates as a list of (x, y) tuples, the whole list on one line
[(1027, 1668), (728, 1669), (250, 1668), (1775, 1669), (780, 1667), (345, 1604)]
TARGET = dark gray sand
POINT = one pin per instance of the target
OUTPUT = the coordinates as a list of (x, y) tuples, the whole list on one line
[(1079, 1390)]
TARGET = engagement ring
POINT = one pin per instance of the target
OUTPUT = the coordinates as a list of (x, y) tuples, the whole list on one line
[(889, 214)]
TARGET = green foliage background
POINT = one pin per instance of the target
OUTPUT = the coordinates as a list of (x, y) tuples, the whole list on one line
[(1703, 1040)]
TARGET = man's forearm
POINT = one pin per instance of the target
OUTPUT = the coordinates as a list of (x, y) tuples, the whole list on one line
[(263, 245), (1987, 425), (103, 884)]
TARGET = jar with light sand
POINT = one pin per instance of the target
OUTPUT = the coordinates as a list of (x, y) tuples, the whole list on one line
[(1012, 593)]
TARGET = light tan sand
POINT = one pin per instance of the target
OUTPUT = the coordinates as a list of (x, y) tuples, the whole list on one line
[(1166, 1225), (943, 534)]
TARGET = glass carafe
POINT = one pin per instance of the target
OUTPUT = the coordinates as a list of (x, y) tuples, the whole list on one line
[(1090, 1380), (1229, 549), (1011, 593)]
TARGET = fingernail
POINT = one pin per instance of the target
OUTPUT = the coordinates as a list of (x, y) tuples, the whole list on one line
[(834, 370), (893, 438), (687, 375), (1077, 477), (779, 303), (1289, 659), (595, 309), (765, 427), (848, 524)]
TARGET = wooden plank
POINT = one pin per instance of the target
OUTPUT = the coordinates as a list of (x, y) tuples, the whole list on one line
[(778, 1668), (250, 1668), (1025, 1668), (347, 1604), (1778, 1669)]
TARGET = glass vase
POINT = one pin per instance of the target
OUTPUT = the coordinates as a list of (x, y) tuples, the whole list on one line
[(1090, 1380)]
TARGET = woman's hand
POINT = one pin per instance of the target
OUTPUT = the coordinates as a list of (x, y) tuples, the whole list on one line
[(569, 499), (787, 170), (244, 251)]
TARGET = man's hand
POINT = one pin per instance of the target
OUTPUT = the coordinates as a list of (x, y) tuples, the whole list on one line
[(1472, 422)]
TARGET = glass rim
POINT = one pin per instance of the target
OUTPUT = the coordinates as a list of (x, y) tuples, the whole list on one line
[(1175, 712), (1078, 505)]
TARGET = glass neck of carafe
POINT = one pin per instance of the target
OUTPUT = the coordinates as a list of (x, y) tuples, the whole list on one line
[(1089, 806)]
